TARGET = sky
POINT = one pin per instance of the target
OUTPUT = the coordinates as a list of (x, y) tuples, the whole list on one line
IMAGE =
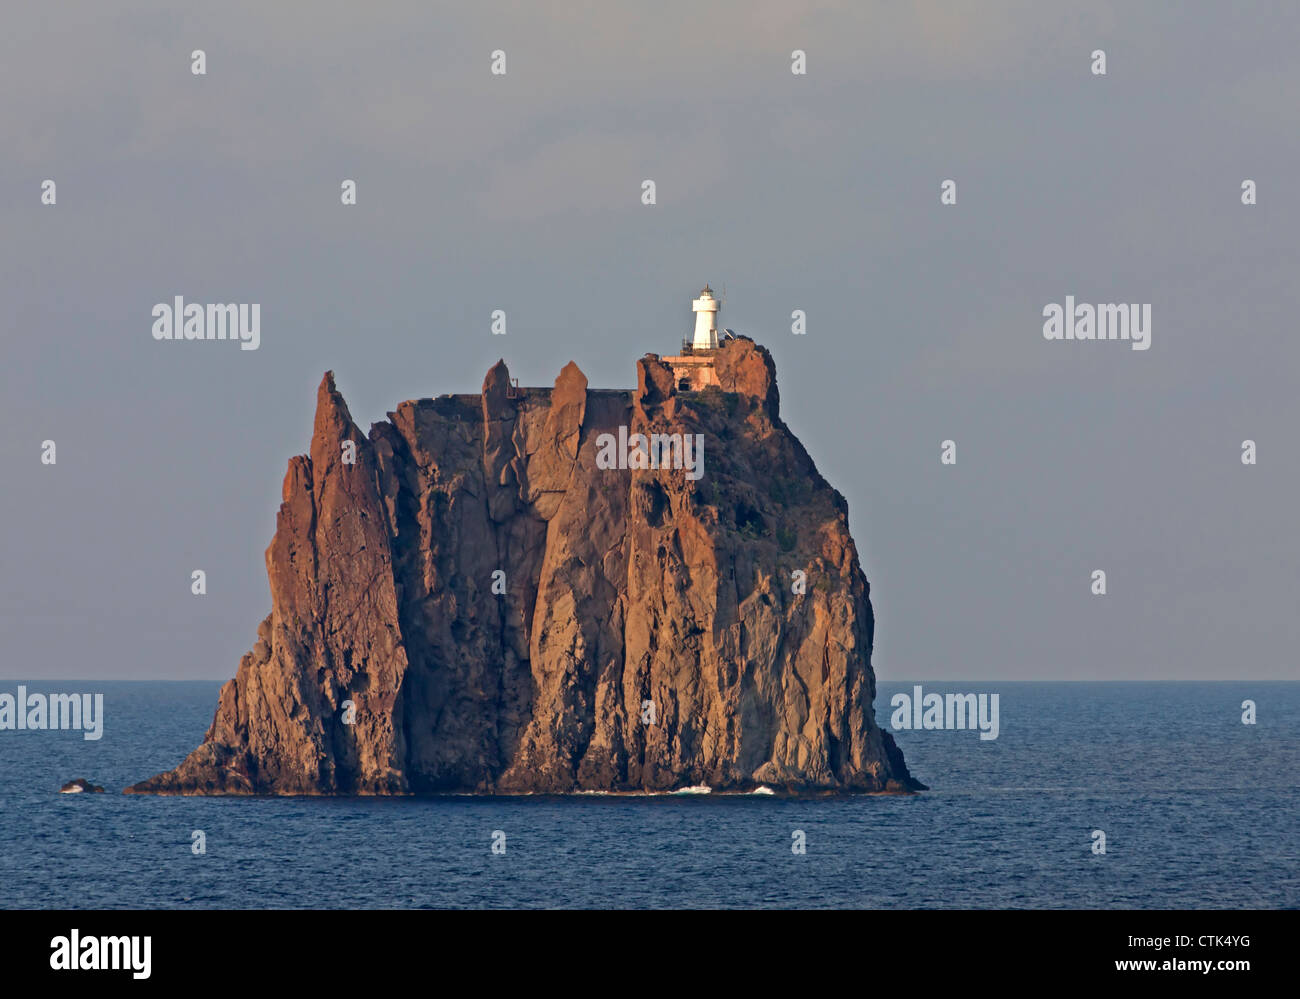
[(523, 192)]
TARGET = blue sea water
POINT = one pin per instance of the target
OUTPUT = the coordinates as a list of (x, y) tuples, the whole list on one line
[(1198, 809)]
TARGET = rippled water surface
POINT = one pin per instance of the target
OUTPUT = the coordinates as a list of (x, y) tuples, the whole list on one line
[(1198, 809)]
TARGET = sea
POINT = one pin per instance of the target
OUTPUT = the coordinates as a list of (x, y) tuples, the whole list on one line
[(1195, 809)]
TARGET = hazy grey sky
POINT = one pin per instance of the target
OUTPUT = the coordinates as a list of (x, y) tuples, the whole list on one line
[(816, 192)]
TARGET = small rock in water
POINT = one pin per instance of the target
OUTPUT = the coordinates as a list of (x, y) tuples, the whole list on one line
[(79, 785)]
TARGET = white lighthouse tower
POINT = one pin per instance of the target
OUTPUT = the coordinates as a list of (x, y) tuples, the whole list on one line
[(693, 368), (706, 321)]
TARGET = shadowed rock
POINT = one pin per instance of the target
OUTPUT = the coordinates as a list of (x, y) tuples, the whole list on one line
[(79, 786)]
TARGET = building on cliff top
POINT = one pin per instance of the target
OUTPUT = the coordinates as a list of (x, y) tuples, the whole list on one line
[(693, 367)]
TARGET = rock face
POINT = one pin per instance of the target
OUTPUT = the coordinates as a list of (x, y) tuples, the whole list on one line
[(80, 786), (469, 599)]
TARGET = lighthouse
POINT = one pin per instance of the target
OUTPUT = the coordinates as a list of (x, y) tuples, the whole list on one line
[(706, 321), (693, 369)]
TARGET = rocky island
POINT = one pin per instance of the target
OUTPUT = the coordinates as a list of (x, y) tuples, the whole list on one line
[(80, 786), (470, 599)]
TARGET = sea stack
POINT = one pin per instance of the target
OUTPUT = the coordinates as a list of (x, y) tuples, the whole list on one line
[(468, 599)]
